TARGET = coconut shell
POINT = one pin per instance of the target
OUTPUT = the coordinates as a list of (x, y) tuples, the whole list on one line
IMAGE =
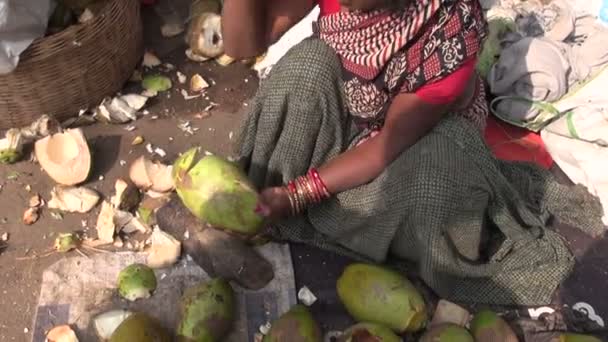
[(364, 332), (487, 326), (447, 333), (297, 325), (65, 157), (374, 294), (218, 253), (140, 327), (207, 312), (217, 192)]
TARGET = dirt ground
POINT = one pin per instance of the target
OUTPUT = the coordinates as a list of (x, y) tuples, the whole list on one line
[(20, 271)]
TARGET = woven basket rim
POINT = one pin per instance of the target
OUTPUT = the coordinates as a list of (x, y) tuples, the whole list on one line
[(75, 35)]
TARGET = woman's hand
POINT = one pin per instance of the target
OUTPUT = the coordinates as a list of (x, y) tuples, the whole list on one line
[(274, 203)]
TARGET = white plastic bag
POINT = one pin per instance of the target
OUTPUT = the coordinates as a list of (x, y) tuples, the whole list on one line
[(21, 21), (578, 141)]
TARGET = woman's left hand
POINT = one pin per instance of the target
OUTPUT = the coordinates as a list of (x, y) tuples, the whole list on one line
[(274, 203)]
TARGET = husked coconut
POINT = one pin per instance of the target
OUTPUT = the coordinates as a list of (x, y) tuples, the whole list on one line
[(148, 175), (65, 156)]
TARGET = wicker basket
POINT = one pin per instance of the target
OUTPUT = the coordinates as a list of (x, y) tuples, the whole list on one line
[(75, 68)]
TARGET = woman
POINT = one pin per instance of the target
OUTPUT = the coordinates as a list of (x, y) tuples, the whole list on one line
[(367, 141)]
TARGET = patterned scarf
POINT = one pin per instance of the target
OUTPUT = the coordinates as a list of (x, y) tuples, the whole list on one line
[(384, 53)]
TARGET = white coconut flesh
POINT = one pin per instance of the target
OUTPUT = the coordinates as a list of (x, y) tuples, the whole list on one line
[(65, 157), (148, 175), (106, 323)]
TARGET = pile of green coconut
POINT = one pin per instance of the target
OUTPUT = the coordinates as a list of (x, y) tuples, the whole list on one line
[(385, 305)]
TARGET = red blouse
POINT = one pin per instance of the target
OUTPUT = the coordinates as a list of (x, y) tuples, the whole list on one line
[(442, 91)]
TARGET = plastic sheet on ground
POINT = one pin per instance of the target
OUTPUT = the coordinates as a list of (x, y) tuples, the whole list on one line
[(75, 290)]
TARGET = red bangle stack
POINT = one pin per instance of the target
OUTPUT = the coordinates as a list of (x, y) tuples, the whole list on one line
[(306, 190)]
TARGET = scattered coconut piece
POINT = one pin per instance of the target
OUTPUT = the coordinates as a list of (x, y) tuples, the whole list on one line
[(126, 197), (150, 60), (65, 156), (36, 201), (149, 93), (160, 152), (106, 323), (198, 83), (105, 223), (62, 333), (194, 57), (127, 223), (73, 199), (181, 77), (4, 237), (148, 175), (448, 312), (188, 96), (306, 296), (224, 60), (164, 250), (265, 328), (169, 66), (171, 30), (118, 242), (67, 242), (11, 147), (120, 109), (31, 215), (138, 140), (86, 15), (56, 215)]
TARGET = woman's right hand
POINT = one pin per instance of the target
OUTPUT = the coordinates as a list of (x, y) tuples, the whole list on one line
[(274, 204)]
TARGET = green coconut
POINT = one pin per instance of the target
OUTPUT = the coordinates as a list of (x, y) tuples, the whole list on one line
[(207, 312), (369, 332), (568, 337), (67, 242), (217, 192), (447, 333), (11, 147), (378, 295), (139, 327), (487, 326), (297, 325), (136, 281), (156, 83)]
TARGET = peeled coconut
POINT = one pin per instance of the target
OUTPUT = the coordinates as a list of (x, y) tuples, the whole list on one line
[(65, 156), (207, 312), (487, 326), (374, 294), (447, 333), (106, 323), (62, 333), (205, 35), (140, 327), (295, 325), (217, 192), (369, 332), (136, 281), (148, 175), (164, 250), (73, 199), (11, 147)]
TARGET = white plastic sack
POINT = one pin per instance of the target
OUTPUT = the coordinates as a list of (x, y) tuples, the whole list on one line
[(21, 21), (578, 141)]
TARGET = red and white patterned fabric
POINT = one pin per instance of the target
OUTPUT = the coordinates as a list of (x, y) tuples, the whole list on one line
[(384, 53)]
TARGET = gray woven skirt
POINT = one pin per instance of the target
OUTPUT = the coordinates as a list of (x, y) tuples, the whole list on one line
[(474, 226)]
